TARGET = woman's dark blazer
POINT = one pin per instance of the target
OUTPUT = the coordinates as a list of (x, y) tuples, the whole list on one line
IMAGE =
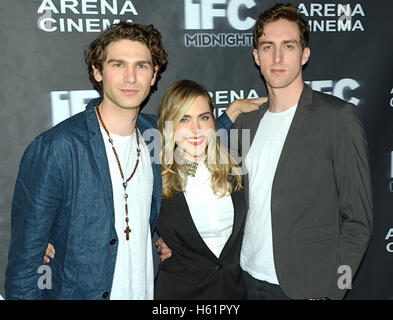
[(193, 271)]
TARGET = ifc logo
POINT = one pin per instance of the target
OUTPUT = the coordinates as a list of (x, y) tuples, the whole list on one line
[(391, 99), (201, 15), (391, 172), (389, 245)]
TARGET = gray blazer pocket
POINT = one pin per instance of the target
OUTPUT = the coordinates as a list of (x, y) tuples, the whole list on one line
[(318, 233)]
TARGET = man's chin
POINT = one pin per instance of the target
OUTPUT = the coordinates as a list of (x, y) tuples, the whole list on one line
[(125, 104), (278, 84), (129, 107)]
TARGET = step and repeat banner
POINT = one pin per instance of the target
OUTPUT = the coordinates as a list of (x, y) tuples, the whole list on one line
[(44, 80)]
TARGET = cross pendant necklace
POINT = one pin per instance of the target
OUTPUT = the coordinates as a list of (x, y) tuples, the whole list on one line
[(127, 232), (125, 183)]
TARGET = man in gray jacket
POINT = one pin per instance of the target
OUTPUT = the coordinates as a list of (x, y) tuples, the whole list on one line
[(308, 179)]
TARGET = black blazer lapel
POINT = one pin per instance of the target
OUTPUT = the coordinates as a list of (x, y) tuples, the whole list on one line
[(238, 200), (240, 211), (190, 232)]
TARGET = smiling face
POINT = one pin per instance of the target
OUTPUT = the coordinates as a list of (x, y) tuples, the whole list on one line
[(127, 74), (195, 130), (279, 54)]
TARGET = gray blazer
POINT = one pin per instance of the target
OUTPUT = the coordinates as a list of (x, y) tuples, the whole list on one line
[(321, 205)]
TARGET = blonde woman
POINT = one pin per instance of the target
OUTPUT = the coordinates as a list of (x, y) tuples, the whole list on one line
[(203, 208)]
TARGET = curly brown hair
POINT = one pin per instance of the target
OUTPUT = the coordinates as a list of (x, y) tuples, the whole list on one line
[(95, 53), (282, 11)]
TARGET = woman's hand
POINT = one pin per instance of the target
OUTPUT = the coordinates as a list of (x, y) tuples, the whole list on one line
[(240, 106), (163, 249), (49, 253)]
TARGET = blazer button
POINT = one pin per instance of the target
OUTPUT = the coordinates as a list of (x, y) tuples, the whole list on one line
[(105, 294), (218, 266), (113, 241)]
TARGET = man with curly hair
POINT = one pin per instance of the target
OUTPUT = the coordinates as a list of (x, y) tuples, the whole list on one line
[(77, 182)]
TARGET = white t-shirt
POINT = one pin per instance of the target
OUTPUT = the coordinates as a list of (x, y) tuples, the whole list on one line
[(134, 273), (261, 162), (212, 216)]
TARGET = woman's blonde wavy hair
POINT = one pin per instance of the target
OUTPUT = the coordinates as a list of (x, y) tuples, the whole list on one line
[(225, 174)]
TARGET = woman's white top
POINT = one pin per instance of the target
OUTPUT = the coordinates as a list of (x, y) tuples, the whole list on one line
[(212, 216)]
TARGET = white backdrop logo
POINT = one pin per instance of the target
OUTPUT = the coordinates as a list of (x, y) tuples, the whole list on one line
[(333, 17), (389, 237), (391, 172), (391, 99), (223, 98), (82, 15), (340, 88), (203, 15), (67, 103)]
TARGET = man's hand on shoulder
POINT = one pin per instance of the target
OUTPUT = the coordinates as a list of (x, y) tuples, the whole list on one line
[(240, 106)]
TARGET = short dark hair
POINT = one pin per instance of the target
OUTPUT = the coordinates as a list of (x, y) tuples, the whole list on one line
[(282, 11), (96, 52)]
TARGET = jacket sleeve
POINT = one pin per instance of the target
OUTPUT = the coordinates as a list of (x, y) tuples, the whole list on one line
[(223, 122), (353, 182), (224, 125), (36, 202)]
